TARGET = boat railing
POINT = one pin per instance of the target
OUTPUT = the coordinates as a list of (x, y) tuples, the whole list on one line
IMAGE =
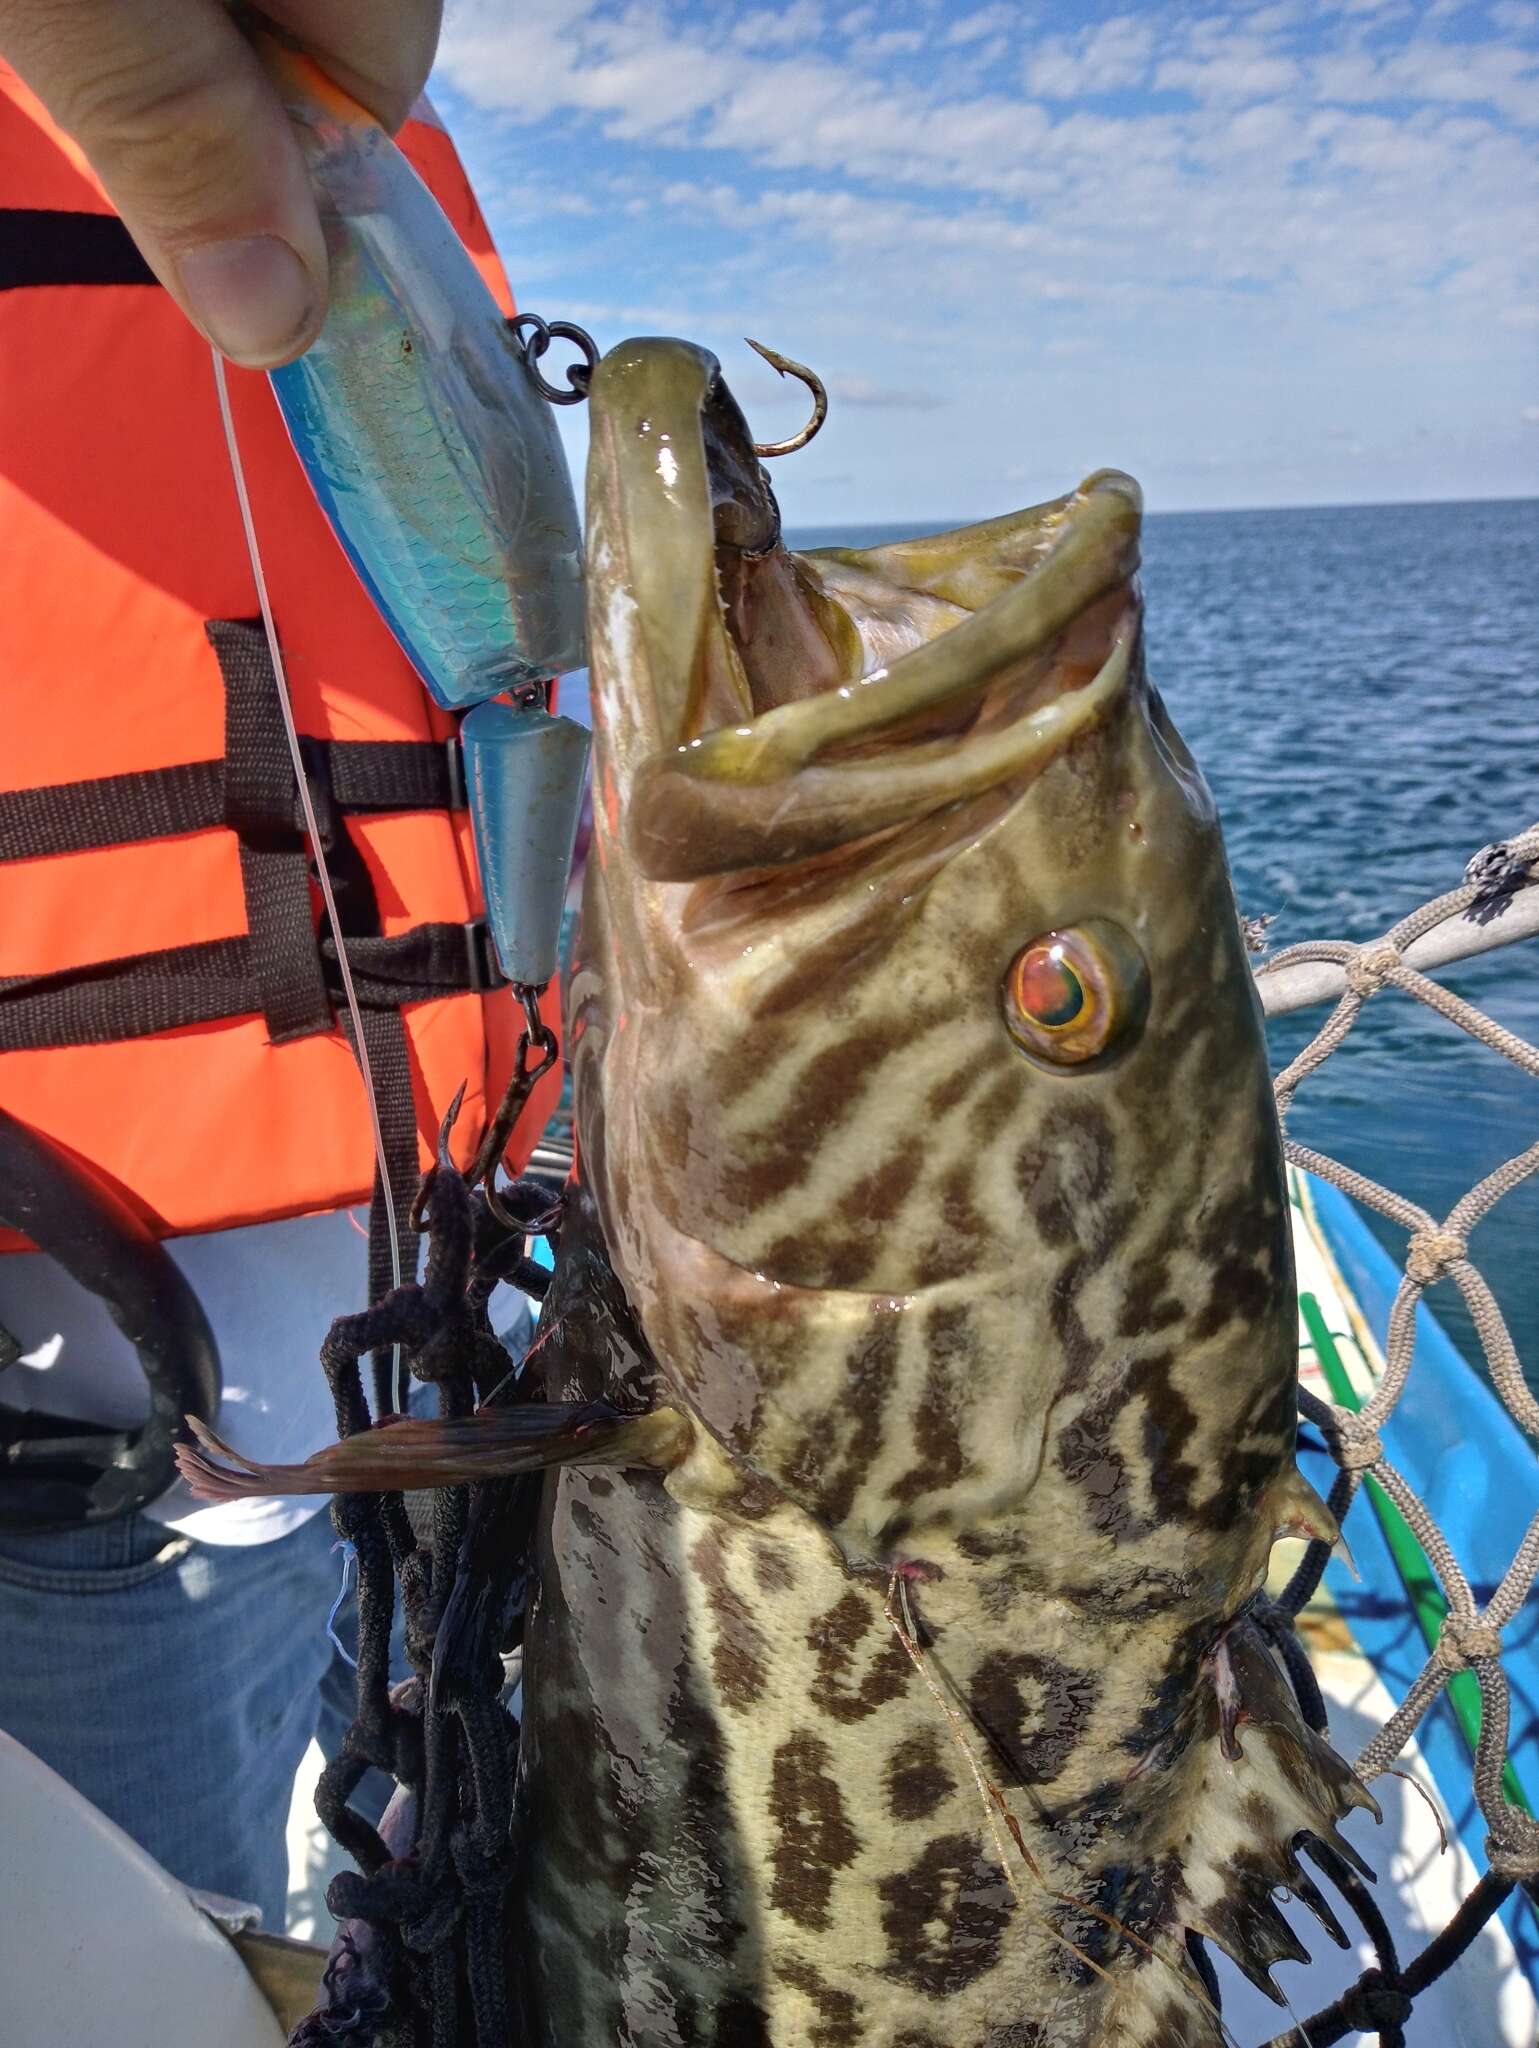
[(1496, 905)]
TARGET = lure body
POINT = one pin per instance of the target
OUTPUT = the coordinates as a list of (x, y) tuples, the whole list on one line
[(430, 448)]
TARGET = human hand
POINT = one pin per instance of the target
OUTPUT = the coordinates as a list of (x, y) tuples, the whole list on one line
[(186, 132)]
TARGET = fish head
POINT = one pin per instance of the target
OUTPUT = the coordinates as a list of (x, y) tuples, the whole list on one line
[(920, 1077)]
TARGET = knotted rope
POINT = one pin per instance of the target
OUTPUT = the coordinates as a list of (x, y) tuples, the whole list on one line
[(1471, 1637)]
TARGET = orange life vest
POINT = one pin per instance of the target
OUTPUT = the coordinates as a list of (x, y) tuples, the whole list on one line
[(169, 997)]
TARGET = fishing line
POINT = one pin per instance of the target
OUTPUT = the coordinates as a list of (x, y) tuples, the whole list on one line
[(312, 827)]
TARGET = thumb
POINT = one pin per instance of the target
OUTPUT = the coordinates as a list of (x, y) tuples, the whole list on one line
[(192, 144)]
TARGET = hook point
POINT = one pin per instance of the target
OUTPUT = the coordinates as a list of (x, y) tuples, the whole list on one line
[(785, 366)]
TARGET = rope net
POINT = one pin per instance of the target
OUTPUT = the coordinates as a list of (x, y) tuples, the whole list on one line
[(1436, 1249)]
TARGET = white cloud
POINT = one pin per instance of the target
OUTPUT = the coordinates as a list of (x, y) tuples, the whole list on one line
[(1529, 415), (986, 22), (768, 28), (1235, 75), (864, 391), (895, 42), (1255, 201), (1503, 76), (1105, 59)]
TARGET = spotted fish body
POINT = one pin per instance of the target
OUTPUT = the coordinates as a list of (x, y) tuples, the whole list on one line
[(990, 1352)]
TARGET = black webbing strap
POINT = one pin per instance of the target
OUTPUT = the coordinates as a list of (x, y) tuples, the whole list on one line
[(213, 980), (345, 776), (282, 956), (128, 998), (111, 810), (49, 246), (384, 1034)]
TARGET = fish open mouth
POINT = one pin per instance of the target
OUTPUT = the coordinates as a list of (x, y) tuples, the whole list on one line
[(797, 704)]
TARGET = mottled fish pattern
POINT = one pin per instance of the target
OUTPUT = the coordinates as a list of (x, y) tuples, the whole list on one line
[(1012, 1345)]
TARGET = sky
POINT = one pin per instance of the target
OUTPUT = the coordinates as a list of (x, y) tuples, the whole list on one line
[(1274, 254)]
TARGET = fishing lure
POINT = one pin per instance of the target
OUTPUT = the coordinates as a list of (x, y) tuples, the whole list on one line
[(429, 445), (435, 457)]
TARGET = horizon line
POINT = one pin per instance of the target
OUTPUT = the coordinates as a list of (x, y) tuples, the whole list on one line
[(1211, 511)]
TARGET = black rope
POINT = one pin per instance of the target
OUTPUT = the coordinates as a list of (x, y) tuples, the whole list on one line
[(435, 1972), (1277, 1624), (1382, 1999)]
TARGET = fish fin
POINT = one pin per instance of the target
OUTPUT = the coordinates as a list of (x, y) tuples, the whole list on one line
[(1280, 1785), (1301, 1512), (1250, 1930), (490, 1444), (1308, 1893)]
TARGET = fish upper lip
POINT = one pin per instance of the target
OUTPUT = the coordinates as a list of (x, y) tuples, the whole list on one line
[(701, 786)]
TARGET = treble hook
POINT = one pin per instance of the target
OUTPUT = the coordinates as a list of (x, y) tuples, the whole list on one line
[(813, 382)]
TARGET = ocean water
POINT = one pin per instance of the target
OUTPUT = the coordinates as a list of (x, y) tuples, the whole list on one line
[(1361, 687)]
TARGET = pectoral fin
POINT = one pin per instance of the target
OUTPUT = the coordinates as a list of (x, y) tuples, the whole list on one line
[(1300, 1511), (490, 1444)]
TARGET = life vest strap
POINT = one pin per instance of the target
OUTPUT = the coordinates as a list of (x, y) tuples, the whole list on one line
[(347, 778), (278, 969), (384, 1034), (49, 246), (217, 979)]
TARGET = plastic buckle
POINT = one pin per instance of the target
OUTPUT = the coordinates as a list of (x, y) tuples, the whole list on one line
[(485, 968), (459, 789), (316, 756)]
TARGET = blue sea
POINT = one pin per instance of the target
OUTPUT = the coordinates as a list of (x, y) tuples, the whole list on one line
[(1361, 686)]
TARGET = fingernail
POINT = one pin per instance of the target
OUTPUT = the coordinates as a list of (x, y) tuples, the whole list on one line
[(253, 298)]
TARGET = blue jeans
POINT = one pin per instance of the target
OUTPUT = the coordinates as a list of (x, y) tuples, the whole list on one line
[(177, 1685)]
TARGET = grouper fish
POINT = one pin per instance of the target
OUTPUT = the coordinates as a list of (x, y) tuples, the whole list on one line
[(894, 1675)]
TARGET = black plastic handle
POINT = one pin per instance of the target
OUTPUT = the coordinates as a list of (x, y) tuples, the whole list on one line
[(56, 1474)]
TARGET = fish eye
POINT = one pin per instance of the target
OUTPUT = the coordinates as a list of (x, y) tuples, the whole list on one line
[(1075, 997)]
